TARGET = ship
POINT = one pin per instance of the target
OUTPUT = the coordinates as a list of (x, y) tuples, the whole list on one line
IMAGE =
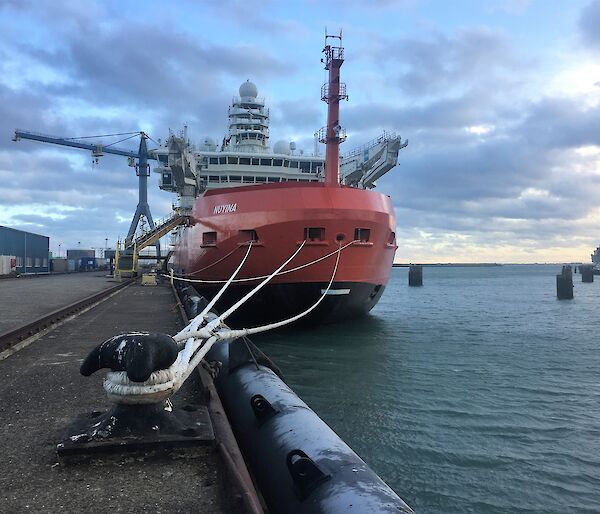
[(596, 261), (314, 219)]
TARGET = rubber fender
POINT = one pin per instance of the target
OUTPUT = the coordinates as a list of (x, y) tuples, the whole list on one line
[(301, 465)]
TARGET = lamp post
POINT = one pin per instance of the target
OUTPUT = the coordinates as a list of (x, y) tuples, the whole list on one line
[(59, 250), (105, 246)]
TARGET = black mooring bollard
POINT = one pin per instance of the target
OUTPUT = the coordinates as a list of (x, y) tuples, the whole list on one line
[(564, 284), (142, 419), (587, 273), (415, 275)]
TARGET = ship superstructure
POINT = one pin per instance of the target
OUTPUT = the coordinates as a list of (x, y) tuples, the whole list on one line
[(245, 157), (309, 216)]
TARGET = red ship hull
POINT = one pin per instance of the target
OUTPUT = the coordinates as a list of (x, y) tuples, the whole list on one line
[(277, 217)]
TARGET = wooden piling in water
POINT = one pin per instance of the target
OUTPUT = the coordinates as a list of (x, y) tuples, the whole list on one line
[(587, 273), (564, 284), (415, 275)]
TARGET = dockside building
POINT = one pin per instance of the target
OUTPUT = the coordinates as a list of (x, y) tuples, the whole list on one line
[(25, 252)]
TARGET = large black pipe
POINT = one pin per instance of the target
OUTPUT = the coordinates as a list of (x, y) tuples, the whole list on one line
[(300, 464)]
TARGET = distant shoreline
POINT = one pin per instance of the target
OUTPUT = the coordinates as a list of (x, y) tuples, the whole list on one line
[(452, 264), (483, 264)]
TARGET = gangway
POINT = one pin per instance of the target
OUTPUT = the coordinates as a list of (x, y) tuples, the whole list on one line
[(160, 229), (128, 253), (364, 165)]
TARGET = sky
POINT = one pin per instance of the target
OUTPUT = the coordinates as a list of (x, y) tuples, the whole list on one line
[(499, 100)]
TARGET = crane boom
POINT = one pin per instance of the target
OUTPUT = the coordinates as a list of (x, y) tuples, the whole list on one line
[(74, 143), (142, 168)]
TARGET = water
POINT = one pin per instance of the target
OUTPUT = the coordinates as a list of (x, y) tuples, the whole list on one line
[(479, 392)]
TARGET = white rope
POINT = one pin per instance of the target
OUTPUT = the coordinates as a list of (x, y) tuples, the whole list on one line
[(216, 262), (198, 341), (234, 334), (197, 321), (249, 279)]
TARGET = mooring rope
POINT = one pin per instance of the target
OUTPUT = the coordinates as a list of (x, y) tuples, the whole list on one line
[(198, 337), (215, 262), (250, 279)]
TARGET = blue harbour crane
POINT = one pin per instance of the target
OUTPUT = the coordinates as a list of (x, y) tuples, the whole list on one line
[(142, 167)]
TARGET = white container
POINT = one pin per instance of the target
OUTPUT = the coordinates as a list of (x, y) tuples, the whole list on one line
[(7, 264)]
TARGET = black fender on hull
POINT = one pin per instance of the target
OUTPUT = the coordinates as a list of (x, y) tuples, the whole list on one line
[(300, 464)]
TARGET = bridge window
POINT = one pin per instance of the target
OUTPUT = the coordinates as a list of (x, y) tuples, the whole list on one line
[(209, 238), (232, 160), (245, 160), (314, 233), (273, 179), (277, 162), (305, 166), (266, 162), (362, 235), (213, 178), (222, 160), (293, 164), (255, 161), (261, 179), (235, 178), (213, 160), (248, 180)]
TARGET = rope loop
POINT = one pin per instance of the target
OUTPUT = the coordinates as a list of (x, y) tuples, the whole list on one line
[(201, 333)]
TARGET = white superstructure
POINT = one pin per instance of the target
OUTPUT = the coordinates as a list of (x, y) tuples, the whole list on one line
[(244, 157)]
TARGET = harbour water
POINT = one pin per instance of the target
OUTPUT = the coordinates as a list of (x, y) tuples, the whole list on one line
[(479, 392)]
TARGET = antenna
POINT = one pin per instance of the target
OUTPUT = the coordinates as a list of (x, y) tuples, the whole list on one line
[(331, 93)]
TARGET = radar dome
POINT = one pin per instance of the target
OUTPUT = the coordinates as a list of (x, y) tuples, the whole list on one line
[(281, 147), (248, 89), (208, 143)]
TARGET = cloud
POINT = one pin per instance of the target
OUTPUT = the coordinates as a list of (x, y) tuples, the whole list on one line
[(492, 162), (442, 63), (301, 116), (589, 24)]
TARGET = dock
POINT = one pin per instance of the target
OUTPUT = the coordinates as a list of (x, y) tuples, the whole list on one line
[(169, 429), (26, 298), (43, 391)]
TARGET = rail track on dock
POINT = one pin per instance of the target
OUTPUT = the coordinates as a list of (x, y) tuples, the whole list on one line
[(13, 337)]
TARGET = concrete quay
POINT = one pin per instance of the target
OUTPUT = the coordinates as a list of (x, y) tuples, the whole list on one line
[(27, 298), (42, 392)]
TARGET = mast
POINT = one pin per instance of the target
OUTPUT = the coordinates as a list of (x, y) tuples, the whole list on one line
[(331, 93)]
